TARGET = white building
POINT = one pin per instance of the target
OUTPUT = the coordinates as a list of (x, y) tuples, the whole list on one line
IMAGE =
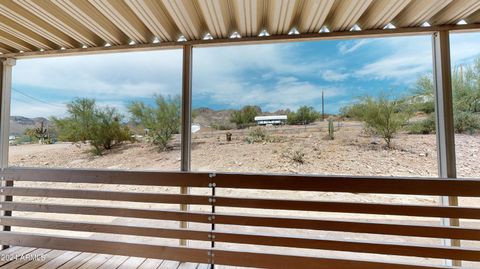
[(271, 120)]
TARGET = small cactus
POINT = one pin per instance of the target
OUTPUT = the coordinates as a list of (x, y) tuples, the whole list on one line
[(331, 129)]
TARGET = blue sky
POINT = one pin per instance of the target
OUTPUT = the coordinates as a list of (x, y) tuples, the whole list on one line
[(273, 76)]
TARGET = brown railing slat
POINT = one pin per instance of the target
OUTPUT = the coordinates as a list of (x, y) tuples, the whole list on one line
[(94, 227), (108, 211), (108, 195), (353, 184), (349, 226), (303, 205), (400, 249), (255, 220), (177, 179), (415, 250), (267, 260), (186, 254), (351, 207)]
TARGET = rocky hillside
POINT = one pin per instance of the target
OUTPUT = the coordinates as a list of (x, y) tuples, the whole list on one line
[(207, 117), (18, 124)]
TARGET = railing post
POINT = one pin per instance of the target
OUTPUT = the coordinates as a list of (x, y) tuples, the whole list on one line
[(212, 185), (186, 128), (6, 67), (442, 78)]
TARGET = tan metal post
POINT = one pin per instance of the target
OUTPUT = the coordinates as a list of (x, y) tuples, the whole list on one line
[(445, 125), (186, 122), (5, 98)]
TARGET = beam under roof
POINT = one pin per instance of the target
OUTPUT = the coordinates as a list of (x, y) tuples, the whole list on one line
[(247, 41)]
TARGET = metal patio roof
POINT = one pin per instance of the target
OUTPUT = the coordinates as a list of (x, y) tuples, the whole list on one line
[(53, 25)]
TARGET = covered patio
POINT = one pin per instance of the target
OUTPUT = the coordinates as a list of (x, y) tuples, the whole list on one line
[(209, 235)]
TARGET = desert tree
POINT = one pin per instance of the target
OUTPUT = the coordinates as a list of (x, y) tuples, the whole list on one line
[(466, 96), (101, 126), (304, 115), (162, 120), (245, 117), (382, 116)]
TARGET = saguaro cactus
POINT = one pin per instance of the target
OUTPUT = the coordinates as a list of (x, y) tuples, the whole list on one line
[(331, 129)]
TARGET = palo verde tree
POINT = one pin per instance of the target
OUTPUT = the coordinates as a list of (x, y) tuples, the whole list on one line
[(304, 115), (162, 120), (102, 127), (382, 116), (245, 117), (466, 97)]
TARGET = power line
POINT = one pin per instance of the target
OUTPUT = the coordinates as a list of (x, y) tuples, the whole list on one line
[(36, 99)]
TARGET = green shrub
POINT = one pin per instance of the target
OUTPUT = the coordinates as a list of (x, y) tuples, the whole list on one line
[(382, 117), (245, 117), (221, 126), (425, 126), (304, 115), (87, 122), (423, 98), (256, 135), (162, 121), (353, 111), (466, 122), (297, 156), (24, 139), (108, 131)]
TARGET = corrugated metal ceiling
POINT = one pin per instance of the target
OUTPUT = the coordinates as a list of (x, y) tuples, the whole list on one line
[(33, 25)]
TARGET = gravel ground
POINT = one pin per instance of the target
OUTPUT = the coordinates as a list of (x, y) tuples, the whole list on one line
[(350, 153)]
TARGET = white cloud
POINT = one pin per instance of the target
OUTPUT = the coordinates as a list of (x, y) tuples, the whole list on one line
[(139, 74), (347, 47), (396, 67), (412, 56), (406, 58), (330, 75), (228, 76), (281, 93), (266, 75), (464, 47), (32, 110)]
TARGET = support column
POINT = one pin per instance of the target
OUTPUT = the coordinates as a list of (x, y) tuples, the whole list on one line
[(6, 66), (442, 78), (186, 122)]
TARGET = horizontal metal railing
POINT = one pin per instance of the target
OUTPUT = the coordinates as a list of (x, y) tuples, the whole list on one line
[(220, 254)]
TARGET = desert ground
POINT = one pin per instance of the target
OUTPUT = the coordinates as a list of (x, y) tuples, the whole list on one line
[(352, 152), (287, 149)]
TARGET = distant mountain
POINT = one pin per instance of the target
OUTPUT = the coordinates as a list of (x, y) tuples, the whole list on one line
[(207, 117), (18, 124)]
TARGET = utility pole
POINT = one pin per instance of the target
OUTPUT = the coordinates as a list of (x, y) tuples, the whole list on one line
[(323, 108)]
